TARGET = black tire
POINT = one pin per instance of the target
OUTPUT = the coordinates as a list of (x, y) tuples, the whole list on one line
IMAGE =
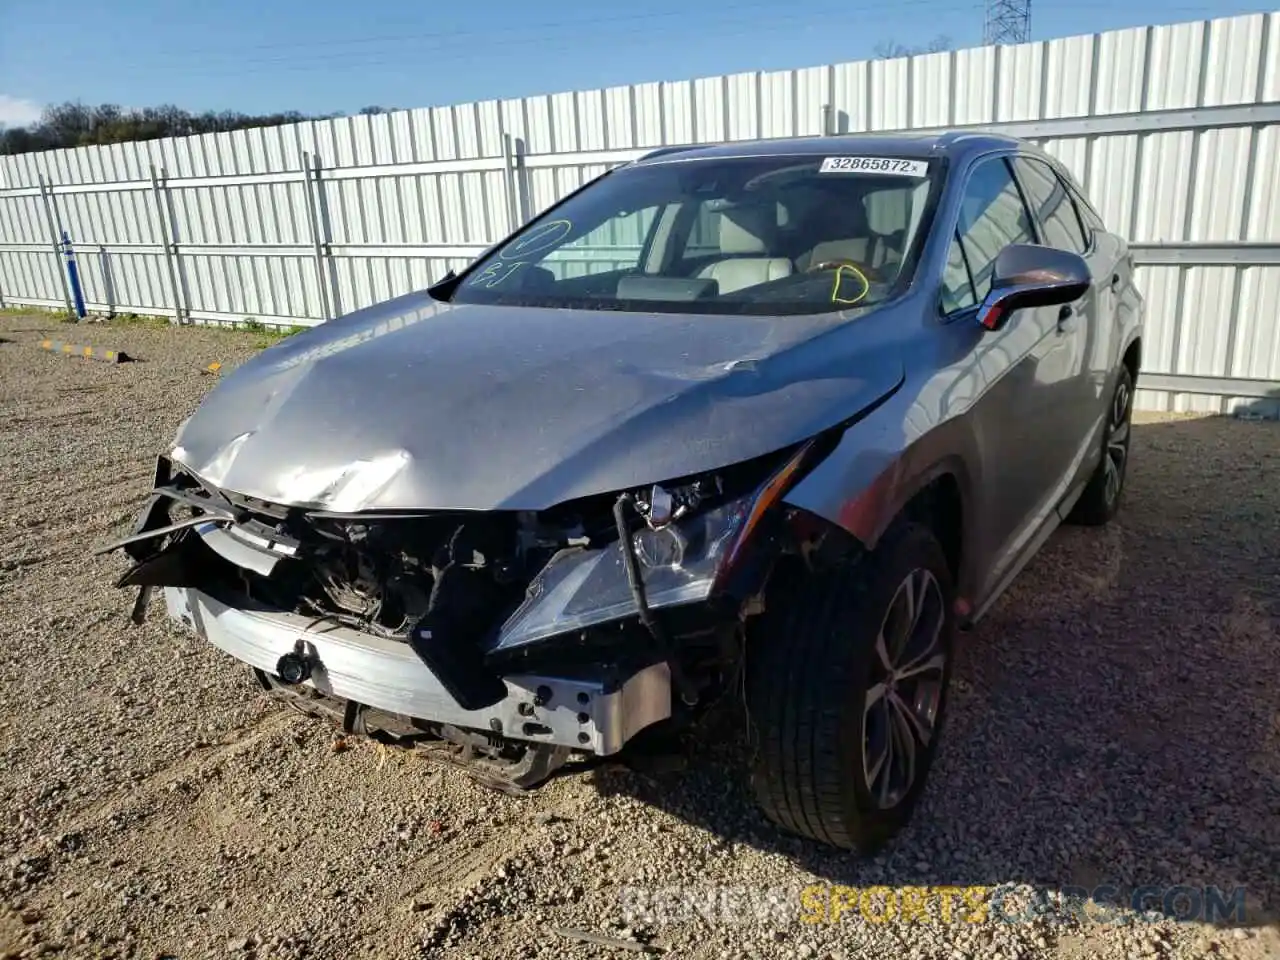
[(812, 661), (1101, 499)]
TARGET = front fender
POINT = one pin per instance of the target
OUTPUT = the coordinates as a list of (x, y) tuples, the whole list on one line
[(881, 462)]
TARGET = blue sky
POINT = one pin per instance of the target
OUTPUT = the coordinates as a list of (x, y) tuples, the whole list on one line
[(320, 56)]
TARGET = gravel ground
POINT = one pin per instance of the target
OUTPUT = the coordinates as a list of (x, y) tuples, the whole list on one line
[(1115, 721)]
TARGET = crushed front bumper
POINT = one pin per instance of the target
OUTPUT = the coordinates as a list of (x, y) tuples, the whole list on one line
[(593, 715)]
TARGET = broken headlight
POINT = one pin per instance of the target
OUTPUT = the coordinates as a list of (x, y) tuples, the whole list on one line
[(681, 554)]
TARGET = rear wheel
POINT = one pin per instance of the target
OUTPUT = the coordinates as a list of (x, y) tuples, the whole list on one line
[(846, 685), (1101, 498)]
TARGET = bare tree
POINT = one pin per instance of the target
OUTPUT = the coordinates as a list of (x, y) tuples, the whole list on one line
[(891, 49)]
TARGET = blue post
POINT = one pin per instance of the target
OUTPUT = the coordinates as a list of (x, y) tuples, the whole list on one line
[(73, 273)]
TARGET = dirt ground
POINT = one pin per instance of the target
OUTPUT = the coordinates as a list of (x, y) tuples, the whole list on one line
[(1115, 721)]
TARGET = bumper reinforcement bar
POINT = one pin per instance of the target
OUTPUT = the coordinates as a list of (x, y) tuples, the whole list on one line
[(588, 715)]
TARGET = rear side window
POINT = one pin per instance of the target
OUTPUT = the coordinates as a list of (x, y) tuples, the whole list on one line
[(1054, 208), (992, 216), (1092, 220), (1088, 213)]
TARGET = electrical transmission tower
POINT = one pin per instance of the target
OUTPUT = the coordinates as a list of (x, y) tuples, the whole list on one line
[(1008, 21)]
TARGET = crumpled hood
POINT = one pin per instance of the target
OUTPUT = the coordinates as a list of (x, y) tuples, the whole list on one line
[(416, 404)]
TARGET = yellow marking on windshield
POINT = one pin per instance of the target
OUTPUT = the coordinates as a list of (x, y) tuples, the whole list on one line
[(540, 238), (495, 273), (862, 279)]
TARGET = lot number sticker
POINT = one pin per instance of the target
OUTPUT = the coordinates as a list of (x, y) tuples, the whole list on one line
[(890, 165)]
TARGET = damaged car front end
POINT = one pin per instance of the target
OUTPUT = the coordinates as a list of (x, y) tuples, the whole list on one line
[(519, 640), (753, 420)]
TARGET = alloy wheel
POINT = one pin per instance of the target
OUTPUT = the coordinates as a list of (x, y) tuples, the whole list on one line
[(902, 700), (1117, 456)]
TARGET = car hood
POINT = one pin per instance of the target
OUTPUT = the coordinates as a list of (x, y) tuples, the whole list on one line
[(415, 404)]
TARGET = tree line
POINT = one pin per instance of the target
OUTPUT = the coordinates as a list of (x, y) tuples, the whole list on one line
[(78, 125)]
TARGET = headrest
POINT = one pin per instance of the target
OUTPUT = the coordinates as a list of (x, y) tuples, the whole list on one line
[(837, 220), (888, 211), (748, 228)]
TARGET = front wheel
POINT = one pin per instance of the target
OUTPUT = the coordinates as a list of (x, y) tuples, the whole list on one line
[(847, 678)]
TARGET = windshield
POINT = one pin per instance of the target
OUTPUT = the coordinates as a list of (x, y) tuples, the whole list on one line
[(761, 235)]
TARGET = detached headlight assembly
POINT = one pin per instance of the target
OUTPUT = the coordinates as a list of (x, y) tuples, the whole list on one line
[(678, 561)]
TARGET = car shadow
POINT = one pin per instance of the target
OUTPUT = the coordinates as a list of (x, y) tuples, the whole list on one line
[(1113, 722)]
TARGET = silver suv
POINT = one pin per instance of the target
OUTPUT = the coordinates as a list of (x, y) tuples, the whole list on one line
[(768, 418)]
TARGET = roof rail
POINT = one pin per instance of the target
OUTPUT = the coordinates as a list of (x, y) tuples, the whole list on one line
[(954, 136), (951, 137), (663, 151)]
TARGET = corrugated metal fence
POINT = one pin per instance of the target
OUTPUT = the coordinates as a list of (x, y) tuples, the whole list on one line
[(1173, 130)]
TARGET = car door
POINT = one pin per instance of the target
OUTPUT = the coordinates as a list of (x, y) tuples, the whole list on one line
[(1028, 371), (1120, 303), (1113, 266), (1085, 326)]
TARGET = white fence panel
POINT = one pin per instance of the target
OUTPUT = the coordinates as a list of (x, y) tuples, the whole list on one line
[(1173, 130)]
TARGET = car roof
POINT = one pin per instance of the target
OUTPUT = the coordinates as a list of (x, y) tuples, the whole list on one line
[(955, 144)]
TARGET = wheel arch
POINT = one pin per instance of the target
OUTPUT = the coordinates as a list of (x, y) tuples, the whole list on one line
[(939, 503), (939, 496), (1131, 357), (931, 482)]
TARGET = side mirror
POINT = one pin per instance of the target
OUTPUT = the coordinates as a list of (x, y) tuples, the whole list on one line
[(1027, 275)]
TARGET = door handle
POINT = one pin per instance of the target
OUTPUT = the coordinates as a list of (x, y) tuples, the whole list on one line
[(1115, 280)]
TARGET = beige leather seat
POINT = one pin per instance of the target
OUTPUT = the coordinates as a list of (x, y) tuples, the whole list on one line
[(849, 235), (745, 231)]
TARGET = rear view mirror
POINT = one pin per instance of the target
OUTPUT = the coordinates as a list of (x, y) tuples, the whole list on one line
[(1027, 275)]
